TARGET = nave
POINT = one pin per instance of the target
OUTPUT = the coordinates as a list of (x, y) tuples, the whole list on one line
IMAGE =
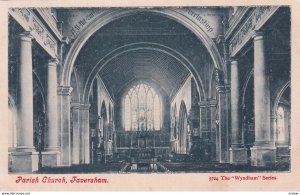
[(168, 90)]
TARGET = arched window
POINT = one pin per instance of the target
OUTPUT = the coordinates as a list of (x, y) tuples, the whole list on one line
[(142, 109)]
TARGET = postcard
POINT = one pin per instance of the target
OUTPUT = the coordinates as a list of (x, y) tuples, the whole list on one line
[(149, 96)]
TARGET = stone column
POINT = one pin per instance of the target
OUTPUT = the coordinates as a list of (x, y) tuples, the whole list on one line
[(263, 153), (85, 133), (76, 134), (51, 155), (223, 124), (273, 128), (52, 138), (25, 159), (238, 153), (64, 96), (25, 133)]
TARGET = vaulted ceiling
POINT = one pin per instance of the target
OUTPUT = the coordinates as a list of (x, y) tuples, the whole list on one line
[(143, 63)]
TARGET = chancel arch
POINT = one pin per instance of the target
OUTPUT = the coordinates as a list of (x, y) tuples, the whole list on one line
[(154, 47), (102, 20)]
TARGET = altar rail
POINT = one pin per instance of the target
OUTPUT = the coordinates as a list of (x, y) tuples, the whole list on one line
[(129, 154)]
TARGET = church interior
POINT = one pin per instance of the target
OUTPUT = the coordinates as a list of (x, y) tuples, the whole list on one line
[(160, 89)]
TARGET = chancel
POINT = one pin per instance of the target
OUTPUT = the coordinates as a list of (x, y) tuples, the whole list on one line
[(160, 89)]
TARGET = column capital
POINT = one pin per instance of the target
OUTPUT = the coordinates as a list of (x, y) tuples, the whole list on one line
[(53, 62), (223, 89), (75, 105), (26, 36), (84, 106), (221, 39), (233, 60), (205, 104), (257, 35), (64, 90)]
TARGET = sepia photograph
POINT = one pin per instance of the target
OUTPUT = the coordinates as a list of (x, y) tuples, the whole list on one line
[(98, 92)]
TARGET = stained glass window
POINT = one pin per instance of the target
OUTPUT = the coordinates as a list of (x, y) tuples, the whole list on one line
[(142, 109)]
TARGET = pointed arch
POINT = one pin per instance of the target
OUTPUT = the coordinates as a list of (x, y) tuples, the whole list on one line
[(282, 113), (112, 15), (148, 46), (283, 88), (183, 128)]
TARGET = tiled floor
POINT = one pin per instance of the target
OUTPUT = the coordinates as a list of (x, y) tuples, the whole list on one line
[(167, 167)]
